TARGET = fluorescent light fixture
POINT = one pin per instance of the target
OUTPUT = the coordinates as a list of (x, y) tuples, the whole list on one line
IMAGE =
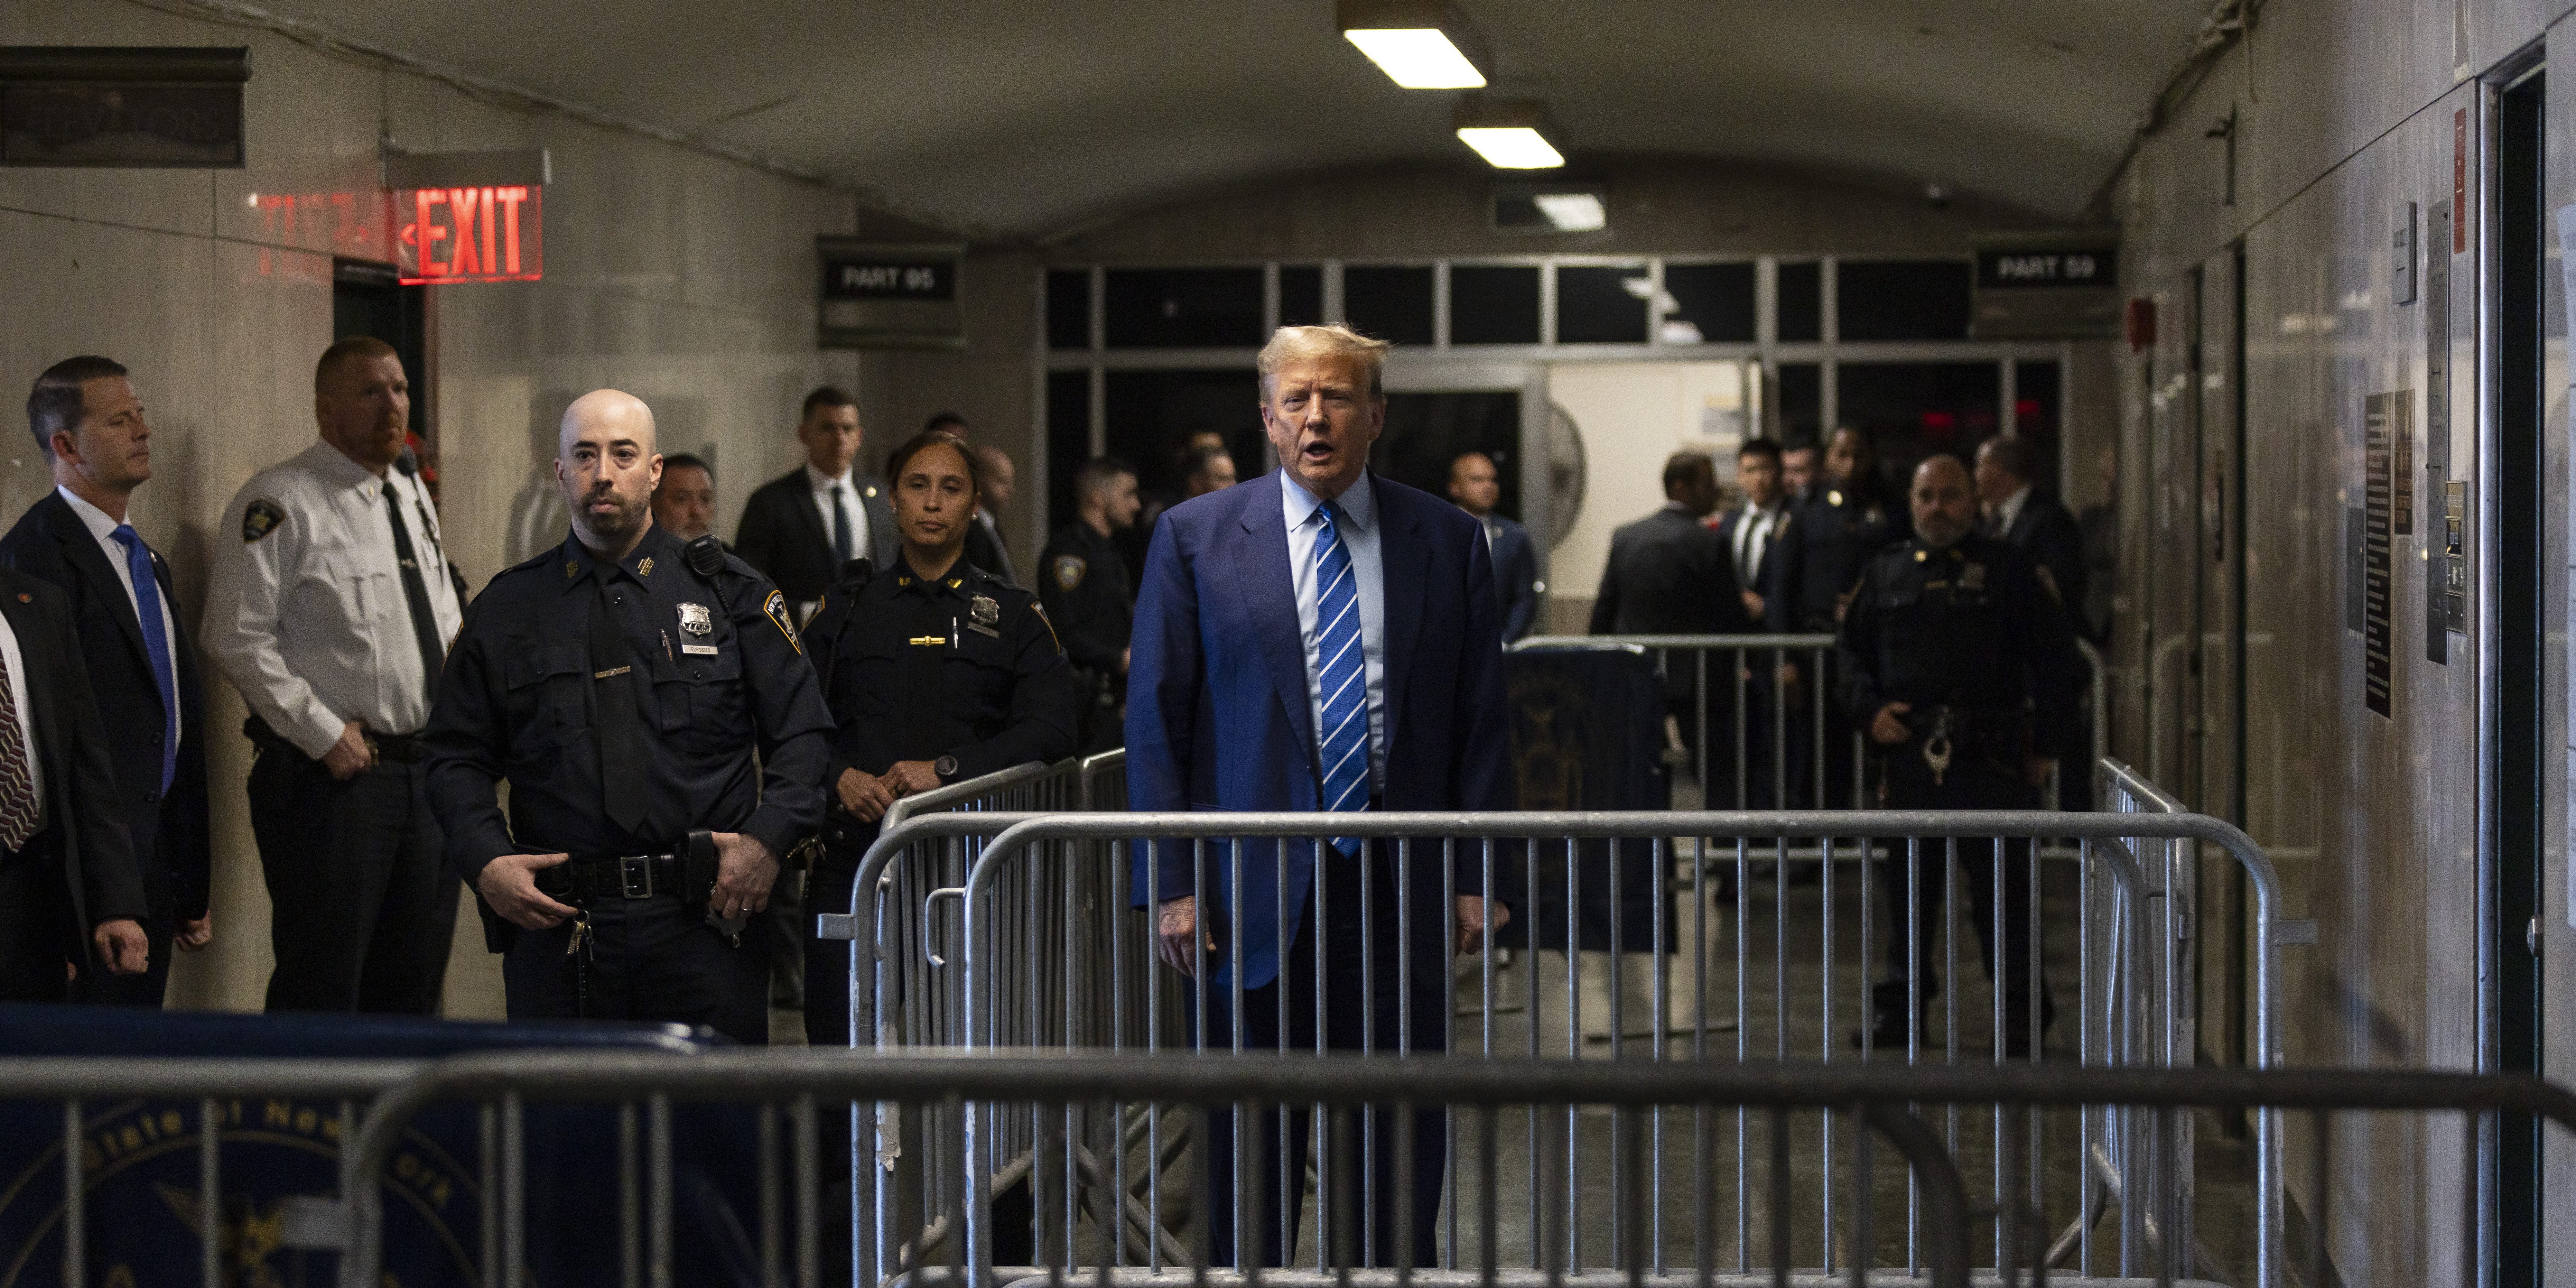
[(1418, 58), (1419, 44), (1511, 134), (1573, 212), (1512, 147)]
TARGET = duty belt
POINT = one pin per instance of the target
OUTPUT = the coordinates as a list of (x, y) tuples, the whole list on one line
[(614, 876)]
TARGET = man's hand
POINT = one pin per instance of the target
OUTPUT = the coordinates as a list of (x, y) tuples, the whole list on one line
[(909, 776), (1752, 604), (509, 884), (1471, 922), (864, 795), (745, 869), (349, 757), (1175, 928), (1125, 655), (121, 944), (1885, 729), (2036, 770), (193, 935)]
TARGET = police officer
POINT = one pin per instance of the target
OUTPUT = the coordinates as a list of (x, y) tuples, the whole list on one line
[(1846, 518), (331, 609), (1083, 582), (935, 672), (1957, 660), (663, 740)]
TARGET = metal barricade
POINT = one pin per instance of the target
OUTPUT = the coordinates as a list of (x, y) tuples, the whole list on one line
[(1484, 1231), (1747, 717), (1720, 979)]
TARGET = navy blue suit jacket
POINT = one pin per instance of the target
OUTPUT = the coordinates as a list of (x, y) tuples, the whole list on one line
[(1515, 577), (1218, 715)]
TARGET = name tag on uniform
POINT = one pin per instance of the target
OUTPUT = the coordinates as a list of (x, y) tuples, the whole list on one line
[(700, 650)]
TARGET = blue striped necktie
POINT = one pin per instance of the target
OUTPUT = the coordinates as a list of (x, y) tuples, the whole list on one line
[(1341, 671)]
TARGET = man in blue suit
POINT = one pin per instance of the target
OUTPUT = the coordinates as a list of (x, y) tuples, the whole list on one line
[(1477, 488), (1319, 639)]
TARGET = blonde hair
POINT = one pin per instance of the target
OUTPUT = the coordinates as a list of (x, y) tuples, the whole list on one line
[(1291, 344)]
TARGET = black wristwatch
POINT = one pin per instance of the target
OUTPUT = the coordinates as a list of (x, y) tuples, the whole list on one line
[(945, 767)]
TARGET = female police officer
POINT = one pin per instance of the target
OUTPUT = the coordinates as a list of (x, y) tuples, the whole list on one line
[(936, 672)]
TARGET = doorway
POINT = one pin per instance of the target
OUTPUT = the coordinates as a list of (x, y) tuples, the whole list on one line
[(368, 298)]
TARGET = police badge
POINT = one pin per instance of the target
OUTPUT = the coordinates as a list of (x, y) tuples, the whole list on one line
[(696, 620), (983, 615)]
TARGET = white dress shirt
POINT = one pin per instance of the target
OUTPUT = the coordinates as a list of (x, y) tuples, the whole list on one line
[(307, 616), (1752, 536), (822, 485), (103, 529), (26, 715), (1361, 540), (2007, 510)]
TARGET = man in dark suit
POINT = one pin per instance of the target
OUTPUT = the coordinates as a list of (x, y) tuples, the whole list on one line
[(799, 530), (69, 888), (1477, 488), (1319, 639), (1670, 574), (2046, 532), (1757, 535), (142, 667)]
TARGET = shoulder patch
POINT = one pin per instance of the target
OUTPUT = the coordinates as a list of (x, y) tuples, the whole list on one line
[(775, 609), (1069, 571), (262, 518)]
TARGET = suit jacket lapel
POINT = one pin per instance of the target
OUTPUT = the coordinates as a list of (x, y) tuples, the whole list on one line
[(1404, 562), (83, 552), (1261, 574)]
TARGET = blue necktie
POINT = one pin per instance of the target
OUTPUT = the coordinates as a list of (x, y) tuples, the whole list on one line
[(156, 645), (1341, 671)]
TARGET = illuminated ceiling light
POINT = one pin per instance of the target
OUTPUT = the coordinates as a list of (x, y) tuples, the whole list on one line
[(1511, 134), (1573, 212), (1419, 44)]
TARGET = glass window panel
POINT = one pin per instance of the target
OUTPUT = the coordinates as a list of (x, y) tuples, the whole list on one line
[(1151, 418), (1901, 299), (1184, 308), (1711, 303), (1068, 308), (2035, 420), (1426, 432), (1493, 304), (1801, 306), (1914, 409), (1301, 294), (1802, 402), (1068, 431), (1602, 305), (1390, 302)]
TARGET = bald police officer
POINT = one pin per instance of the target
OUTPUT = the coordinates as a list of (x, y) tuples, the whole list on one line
[(663, 740), (1958, 661), (331, 609)]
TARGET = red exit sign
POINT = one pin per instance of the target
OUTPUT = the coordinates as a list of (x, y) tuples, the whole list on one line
[(486, 234)]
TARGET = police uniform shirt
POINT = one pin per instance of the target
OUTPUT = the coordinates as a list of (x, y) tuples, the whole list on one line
[(1836, 532), (964, 665), (718, 677), (1083, 582), (306, 611), (1969, 628)]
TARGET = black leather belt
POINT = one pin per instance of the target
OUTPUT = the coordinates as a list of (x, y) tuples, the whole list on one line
[(398, 748), (628, 876)]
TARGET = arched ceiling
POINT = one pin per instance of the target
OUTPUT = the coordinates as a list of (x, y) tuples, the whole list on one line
[(1014, 119)]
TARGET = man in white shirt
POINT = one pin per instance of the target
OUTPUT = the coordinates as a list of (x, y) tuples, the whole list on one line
[(90, 426), (331, 608), (799, 529)]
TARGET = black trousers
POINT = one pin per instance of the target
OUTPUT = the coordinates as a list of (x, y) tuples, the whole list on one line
[(35, 924), (98, 988), (1969, 784), (363, 906), (1364, 996), (650, 960)]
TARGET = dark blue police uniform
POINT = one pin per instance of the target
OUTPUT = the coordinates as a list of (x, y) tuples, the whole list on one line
[(628, 704), (1983, 654)]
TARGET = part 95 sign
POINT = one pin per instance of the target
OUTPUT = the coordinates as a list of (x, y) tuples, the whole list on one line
[(889, 296)]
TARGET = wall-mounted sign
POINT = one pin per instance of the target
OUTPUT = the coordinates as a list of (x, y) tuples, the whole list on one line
[(877, 295), (109, 106), (469, 216), (491, 234), (2048, 286)]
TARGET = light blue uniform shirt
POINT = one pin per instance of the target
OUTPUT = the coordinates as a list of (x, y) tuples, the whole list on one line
[(1361, 538)]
